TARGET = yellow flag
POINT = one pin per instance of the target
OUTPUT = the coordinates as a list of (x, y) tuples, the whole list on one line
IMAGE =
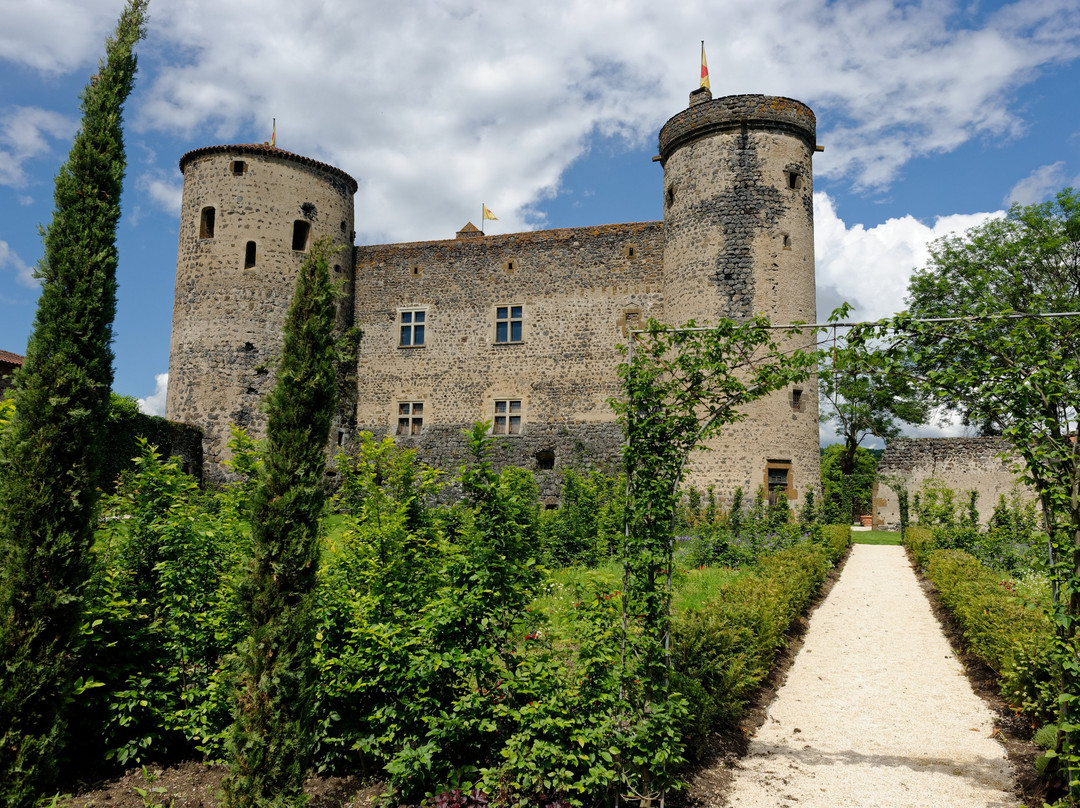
[(273, 135), (704, 67), (488, 214)]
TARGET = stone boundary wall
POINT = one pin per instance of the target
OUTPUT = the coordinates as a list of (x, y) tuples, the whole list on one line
[(962, 464)]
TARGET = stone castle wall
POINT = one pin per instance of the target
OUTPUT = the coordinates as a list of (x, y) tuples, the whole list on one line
[(736, 241), (227, 316), (738, 215), (577, 288), (962, 464)]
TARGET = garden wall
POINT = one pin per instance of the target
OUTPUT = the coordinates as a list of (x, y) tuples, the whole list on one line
[(962, 464)]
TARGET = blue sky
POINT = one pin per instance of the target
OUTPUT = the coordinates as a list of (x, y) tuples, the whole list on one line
[(934, 115)]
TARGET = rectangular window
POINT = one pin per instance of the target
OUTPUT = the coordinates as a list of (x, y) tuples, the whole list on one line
[(778, 480), (507, 417), (508, 323), (412, 329), (410, 417)]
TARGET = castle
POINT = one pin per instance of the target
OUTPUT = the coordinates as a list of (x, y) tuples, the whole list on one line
[(520, 330)]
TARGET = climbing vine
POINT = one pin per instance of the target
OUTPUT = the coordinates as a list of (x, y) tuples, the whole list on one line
[(680, 386)]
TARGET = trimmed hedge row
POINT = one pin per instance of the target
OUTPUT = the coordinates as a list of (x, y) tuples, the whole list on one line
[(723, 650), (1008, 631)]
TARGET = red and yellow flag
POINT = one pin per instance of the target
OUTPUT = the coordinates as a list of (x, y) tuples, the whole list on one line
[(704, 67), (488, 214)]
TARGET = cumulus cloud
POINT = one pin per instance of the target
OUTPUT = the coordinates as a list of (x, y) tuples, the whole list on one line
[(55, 36), (164, 192), (24, 273), (492, 102), (25, 133), (154, 404), (870, 267), (1040, 184)]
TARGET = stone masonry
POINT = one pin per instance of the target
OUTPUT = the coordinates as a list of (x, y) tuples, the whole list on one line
[(962, 464), (521, 330)]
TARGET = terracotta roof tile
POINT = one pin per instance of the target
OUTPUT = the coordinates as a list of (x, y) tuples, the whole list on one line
[(11, 358)]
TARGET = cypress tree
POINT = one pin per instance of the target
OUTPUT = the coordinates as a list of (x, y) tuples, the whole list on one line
[(271, 738), (50, 451)]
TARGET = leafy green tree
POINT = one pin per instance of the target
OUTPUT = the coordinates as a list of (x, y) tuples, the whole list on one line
[(681, 386), (50, 451), (860, 399), (1009, 367), (847, 493), (271, 739)]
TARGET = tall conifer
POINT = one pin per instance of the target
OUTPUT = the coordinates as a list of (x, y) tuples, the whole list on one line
[(270, 743), (50, 451)]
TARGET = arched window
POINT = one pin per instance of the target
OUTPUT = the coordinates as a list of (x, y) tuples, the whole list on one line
[(206, 223)]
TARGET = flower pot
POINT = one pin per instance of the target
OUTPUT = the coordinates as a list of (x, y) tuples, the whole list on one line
[(867, 520)]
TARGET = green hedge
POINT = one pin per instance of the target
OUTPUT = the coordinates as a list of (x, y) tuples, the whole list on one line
[(724, 649), (920, 544), (1003, 627), (837, 539), (126, 424)]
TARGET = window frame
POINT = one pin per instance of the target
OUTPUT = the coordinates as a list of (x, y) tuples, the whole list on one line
[(514, 324), (413, 323), (508, 422), (409, 414), (788, 469)]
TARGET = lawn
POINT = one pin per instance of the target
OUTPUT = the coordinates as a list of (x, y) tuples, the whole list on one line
[(875, 537)]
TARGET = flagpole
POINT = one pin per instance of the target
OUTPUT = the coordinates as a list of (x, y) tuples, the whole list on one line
[(482, 208)]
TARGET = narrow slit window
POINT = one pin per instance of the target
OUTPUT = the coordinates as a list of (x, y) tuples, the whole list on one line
[(300, 232), (796, 399), (249, 255), (787, 241), (206, 223), (793, 180)]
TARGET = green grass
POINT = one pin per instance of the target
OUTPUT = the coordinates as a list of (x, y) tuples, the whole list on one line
[(875, 537), (694, 587), (569, 586)]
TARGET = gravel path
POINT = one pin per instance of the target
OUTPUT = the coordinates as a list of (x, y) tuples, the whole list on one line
[(875, 711)]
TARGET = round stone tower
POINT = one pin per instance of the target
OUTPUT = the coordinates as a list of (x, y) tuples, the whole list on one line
[(738, 242), (249, 215)]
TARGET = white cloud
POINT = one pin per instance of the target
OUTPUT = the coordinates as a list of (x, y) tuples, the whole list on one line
[(24, 273), (492, 102), (870, 267), (55, 36), (154, 404), (164, 192), (1039, 184), (25, 133)]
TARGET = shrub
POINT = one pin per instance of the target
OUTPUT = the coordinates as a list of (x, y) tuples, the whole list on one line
[(1010, 632), (920, 543), (836, 539), (723, 650), (587, 527), (161, 614)]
